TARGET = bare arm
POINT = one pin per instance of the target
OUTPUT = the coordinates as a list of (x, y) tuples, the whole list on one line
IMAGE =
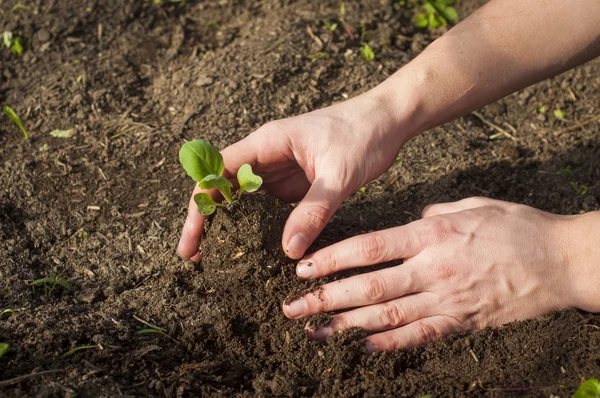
[(503, 47)]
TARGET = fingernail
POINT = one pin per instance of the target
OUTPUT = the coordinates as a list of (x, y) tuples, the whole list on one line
[(306, 269), (371, 348), (295, 308), (298, 244), (321, 333)]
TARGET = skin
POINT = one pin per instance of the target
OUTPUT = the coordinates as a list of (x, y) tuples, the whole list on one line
[(469, 264)]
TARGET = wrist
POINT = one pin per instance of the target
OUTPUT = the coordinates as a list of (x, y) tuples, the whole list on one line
[(583, 254)]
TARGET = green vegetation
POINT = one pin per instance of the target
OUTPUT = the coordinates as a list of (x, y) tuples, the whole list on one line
[(83, 347), (331, 26), (12, 115), (579, 188), (204, 163), (8, 311), (367, 52), (430, 13), (50, 284), (319, 55), (542, 109), (559, 114), (588, 389), (3, 348), (13, 43)]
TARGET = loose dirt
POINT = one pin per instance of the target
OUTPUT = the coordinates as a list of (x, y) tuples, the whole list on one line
[(104, 208)]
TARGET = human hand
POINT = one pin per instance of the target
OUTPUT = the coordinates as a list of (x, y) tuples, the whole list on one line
[(469, 264), (320, 158)]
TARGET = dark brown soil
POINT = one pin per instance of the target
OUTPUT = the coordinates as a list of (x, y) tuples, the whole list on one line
[(104, 208)]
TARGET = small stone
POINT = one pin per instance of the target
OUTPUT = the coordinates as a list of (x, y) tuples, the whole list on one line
[(204, 80), (42, 35)]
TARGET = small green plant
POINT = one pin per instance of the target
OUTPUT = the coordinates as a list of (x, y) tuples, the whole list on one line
[(12, 115), (579, 188), (13, 43), (83, 347), (435, 13), (319, 55), (3, 348), (367, 52), (559, 114), (8, 311), (50, 284), (542, 109), (588, 389), (204, 163), (330, 26), (565, 171)]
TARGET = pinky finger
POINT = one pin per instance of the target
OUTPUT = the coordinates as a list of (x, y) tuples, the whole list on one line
[(417, 333)]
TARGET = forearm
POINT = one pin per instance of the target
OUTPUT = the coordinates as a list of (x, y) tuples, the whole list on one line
[(503, 47)]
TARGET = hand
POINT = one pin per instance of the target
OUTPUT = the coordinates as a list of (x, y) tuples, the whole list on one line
[(467, 265), (320, 158)]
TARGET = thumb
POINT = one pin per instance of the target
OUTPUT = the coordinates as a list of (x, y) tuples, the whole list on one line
[(310, 216)]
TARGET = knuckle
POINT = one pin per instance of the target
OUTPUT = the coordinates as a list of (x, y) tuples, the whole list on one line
[(441, 230), (320, 301), (316, 216), (392, 315), (374, 288), (426, 332), (373, 248), (428, 210)]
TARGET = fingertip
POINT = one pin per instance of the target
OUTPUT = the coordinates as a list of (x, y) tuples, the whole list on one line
[(297, 246), (197, 257)]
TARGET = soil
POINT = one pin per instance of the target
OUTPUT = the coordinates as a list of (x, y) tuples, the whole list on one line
[(103, 209)]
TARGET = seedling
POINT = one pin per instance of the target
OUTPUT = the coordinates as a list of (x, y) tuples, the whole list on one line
[(588, 389), (12, 115), (319, 55), (13, 43), (83, 347), (3, 348), (579, 188), (542, 109), (204, 163), (8, 311), (435, 13), (330, 26), (367, 52), (559, 114), (49, 284)]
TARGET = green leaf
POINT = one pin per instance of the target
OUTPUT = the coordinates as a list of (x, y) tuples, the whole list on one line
[(249, 182), (200, 159), (588, 389), (12, 115), (320, 54), (367, 52), (429, 8), (3, 348), (8, 311), (74, 350), (420, 21), (206, 204), (449, 13), (214, 181), (559, 114), (16, 47), (542, 109)]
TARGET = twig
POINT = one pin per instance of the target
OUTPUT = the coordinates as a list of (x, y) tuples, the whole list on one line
[(149, 324), (499, 129), (10, 382), (578, 125)]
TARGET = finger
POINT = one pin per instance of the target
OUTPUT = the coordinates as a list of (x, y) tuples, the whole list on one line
[(464, 204), (292, 189), (363, 250), (189, 243), (357, 291), (311, 215), (267, 146), (414, 334), (381, 317)]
